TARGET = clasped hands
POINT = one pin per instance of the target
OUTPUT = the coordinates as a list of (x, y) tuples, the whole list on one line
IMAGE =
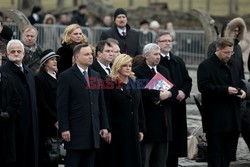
[(237, 92)]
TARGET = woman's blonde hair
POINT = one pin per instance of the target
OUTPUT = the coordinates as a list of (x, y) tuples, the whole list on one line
[(68, 31), (120, 60)]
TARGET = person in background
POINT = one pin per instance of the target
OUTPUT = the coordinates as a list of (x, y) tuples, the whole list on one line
[(183, 82), (27, 131), (170, 29), (104, 58), (128, 38), (220, 82), (146, 36), (35, 16), (81, 16), (32, 49), (81, 110), (116, 48), (107, 21), (72, 36), (46, 86), (127, 126), (63, 19), (6, 33), (3, 53), (50, 33)]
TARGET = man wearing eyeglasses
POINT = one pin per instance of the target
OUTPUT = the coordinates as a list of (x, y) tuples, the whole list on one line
[(182, 80), (222, 89)]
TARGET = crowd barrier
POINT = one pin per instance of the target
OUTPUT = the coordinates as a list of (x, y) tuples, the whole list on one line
[(188, 44)]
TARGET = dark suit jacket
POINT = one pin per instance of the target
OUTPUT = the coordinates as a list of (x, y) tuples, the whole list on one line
[(182, 81), (157, 130), (221, 111), (46, 87), (81, 110), (28, 118), (98, 68), (128, 44), (10, 103)]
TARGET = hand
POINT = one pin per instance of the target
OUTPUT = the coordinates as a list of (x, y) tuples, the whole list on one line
[(56, 125), (181, 95), (232, 90), (157, 102), (108, 138), (165, 94), (66, 136), (104, 133), (140, 136), (4, 116), (242, 95)]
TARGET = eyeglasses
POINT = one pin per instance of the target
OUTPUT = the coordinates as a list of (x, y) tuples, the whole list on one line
[(228, 53), (166, 41)]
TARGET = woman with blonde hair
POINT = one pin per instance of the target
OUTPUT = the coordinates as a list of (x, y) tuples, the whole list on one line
[(126, 114), (72, 36)]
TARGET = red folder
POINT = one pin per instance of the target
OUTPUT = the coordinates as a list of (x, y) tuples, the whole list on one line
[(159, 82)]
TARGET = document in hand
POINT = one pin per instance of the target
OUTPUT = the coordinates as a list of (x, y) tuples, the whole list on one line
[(159, 82)]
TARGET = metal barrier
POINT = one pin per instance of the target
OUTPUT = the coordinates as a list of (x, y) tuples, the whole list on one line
[(188, 44)]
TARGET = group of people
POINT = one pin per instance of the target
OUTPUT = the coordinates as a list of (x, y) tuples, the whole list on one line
[(96, 99)]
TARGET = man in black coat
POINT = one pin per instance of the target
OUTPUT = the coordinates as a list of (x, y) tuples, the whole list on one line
[(128, 38), (9, 110), (183, 82), (221, 86), (27, 133), (157, 108), (104, 57), (81, 110)]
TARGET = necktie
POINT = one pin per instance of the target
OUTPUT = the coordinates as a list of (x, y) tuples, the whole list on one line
[(153, 71), (108, 69), (85, 74), (21, 68), (123, 33)]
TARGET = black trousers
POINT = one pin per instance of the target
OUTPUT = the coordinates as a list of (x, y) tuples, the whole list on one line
[(80, 158), (220, 149)]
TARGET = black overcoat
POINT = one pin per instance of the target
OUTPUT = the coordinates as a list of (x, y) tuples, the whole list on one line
[(129, 44), (81, 110), (10, 102), (158, 117), (221, 111), (98, 68), (182, 81), (126, 121), (27, 121), (66, 55), (46, 87)]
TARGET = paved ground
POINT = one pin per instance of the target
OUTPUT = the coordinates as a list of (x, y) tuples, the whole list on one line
[(243, 154)]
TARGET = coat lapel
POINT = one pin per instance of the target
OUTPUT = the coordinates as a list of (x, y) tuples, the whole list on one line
[(79, 75)]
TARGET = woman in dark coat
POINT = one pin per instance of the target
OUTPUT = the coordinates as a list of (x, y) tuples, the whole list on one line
[(71, 37), (125, 113), (9, 108), (46, 85)]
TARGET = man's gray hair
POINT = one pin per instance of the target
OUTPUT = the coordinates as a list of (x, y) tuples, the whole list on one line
[(161, 34), (147, 48), (14, 41)]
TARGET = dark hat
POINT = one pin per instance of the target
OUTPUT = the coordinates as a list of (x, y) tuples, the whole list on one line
[(119, 11), (46, 55), (6, 33), (144, 22)]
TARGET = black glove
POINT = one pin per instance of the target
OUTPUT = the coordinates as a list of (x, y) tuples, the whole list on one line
[(4, 116)]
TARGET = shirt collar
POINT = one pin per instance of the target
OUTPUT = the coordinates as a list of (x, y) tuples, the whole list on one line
[(104, 67), (155, 68), (82, 70), (122, 30)]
